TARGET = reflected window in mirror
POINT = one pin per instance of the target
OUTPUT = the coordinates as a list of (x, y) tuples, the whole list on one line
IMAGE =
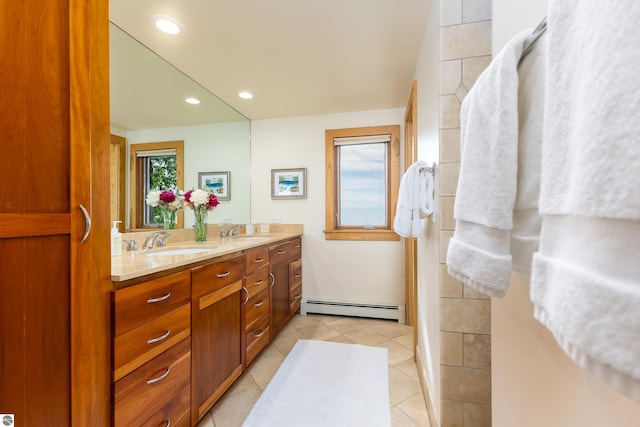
[(156, 165)]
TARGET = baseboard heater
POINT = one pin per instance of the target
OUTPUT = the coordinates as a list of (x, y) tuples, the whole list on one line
[(376, 311)]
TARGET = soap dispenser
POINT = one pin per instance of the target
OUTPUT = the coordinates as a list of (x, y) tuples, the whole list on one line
[(116, 240)]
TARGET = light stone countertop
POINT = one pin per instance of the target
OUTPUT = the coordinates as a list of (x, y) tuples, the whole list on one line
[(139, 263)]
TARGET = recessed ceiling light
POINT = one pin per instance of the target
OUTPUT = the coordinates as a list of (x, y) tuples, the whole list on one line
[(167, 24), (192, 100), (245, 95)]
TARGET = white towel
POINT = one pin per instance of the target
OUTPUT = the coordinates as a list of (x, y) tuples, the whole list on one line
[(415, 200), (499, 172), (585, 280)]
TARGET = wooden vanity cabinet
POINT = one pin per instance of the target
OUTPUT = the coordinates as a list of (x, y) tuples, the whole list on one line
[(286, 275), (152, 352), (217, 331)]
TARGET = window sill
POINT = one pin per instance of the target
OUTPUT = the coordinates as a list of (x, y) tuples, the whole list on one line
[(361, 235)]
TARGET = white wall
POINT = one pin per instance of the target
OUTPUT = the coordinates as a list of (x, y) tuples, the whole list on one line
[(208, 148), (349, 271), (428, 348), (534, 383)]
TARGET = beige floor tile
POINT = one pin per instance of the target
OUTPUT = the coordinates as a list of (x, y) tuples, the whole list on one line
[(391, 328), (416, 409), (408, 367), (402, 386), (405, 340), (397, 352), (400, 419), (244, 383), (319, 331), (366, 336), (342, 339), (231, 410), (265, 365), (346, 325), (206, 421)]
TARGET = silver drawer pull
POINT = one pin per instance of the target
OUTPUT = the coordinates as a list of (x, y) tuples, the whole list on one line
[(258, 304), (160, 338), (259, 334), (168, 423), (160, 378), (281, 252), (297, 275), (159, 299), (258, 260), (221, 275), (258, 283), (296, 246), (297, 297), (247, 297)]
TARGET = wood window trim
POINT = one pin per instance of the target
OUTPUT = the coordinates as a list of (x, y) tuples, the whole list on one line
[(332, 231), (135, 193)]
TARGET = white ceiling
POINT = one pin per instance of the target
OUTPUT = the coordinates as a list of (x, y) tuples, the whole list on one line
[(298, 57)]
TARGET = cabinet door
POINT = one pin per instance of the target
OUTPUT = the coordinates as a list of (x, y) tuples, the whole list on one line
[(54, 305), (279, 295), (216, 333)]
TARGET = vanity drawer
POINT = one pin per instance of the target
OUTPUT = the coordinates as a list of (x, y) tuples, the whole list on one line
[(212, 277), (158, 390), (257, 258), (280, 252), (257, 337), (138, 346), (256, 307), (296, 248), (138, 304), (295, 297), (295, 273), (257, 282)]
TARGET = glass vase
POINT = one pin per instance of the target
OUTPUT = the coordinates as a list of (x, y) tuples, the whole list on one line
[(168, 218), (200, 226)]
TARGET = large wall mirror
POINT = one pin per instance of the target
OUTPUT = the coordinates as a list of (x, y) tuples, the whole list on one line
[(148, 106)]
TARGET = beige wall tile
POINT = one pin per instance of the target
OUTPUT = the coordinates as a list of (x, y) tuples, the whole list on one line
[(477, 351), (452, 414), (445, 236), (471, 293), (472, 68), (476, 10), (450, 145), (448, 182), (476, 415), (447, 221), (450, 76), (449, 287), (450, 12), (465, 315), (449, 112), (451, 350), (466, 384), (466, 40), (461, 93)]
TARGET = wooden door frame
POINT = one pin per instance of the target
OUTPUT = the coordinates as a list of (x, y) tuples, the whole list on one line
[(410, 244)]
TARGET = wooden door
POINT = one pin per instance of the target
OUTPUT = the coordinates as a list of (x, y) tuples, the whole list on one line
[(54, 119)]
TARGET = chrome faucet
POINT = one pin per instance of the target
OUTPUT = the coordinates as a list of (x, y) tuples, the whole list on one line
[(131, 245), (161, 237), (231, 232)]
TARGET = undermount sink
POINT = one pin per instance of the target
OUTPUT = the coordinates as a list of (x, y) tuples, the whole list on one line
[(179, 251)]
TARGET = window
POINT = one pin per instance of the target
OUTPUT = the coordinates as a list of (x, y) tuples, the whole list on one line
[(362, 180), (154, 165)]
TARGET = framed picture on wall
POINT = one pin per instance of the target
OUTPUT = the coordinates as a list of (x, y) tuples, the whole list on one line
[(217, 182), (289, 183)]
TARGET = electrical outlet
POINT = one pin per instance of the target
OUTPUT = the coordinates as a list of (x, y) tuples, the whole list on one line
[(275, 220), (226, 220)]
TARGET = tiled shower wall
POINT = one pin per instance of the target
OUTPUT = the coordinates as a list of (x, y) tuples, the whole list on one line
[(465, 315)]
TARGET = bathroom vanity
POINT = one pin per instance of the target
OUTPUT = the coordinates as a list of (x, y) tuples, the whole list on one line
[(189, 318)]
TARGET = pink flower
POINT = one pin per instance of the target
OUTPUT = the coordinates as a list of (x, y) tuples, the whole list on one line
[(167, 197)]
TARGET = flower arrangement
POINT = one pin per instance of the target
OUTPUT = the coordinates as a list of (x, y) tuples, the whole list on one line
[(201, 202), (168, 204)]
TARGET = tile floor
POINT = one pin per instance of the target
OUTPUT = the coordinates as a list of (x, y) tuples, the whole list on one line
[(405, 394)]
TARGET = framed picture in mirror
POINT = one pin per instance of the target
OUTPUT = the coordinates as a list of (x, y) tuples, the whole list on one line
[(289, 183), (217, 182)]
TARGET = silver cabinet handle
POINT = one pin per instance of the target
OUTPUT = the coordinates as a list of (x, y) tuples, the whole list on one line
[(221, 275), (159, 299), (258, 283), (168, 423), (87, 224), (297, 275), (258, 304), (297, 297), (160, 378), (281, 252), (296, 246), (158, 339), (259, 334), (273, 280), (247, 297), (258, 260)]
